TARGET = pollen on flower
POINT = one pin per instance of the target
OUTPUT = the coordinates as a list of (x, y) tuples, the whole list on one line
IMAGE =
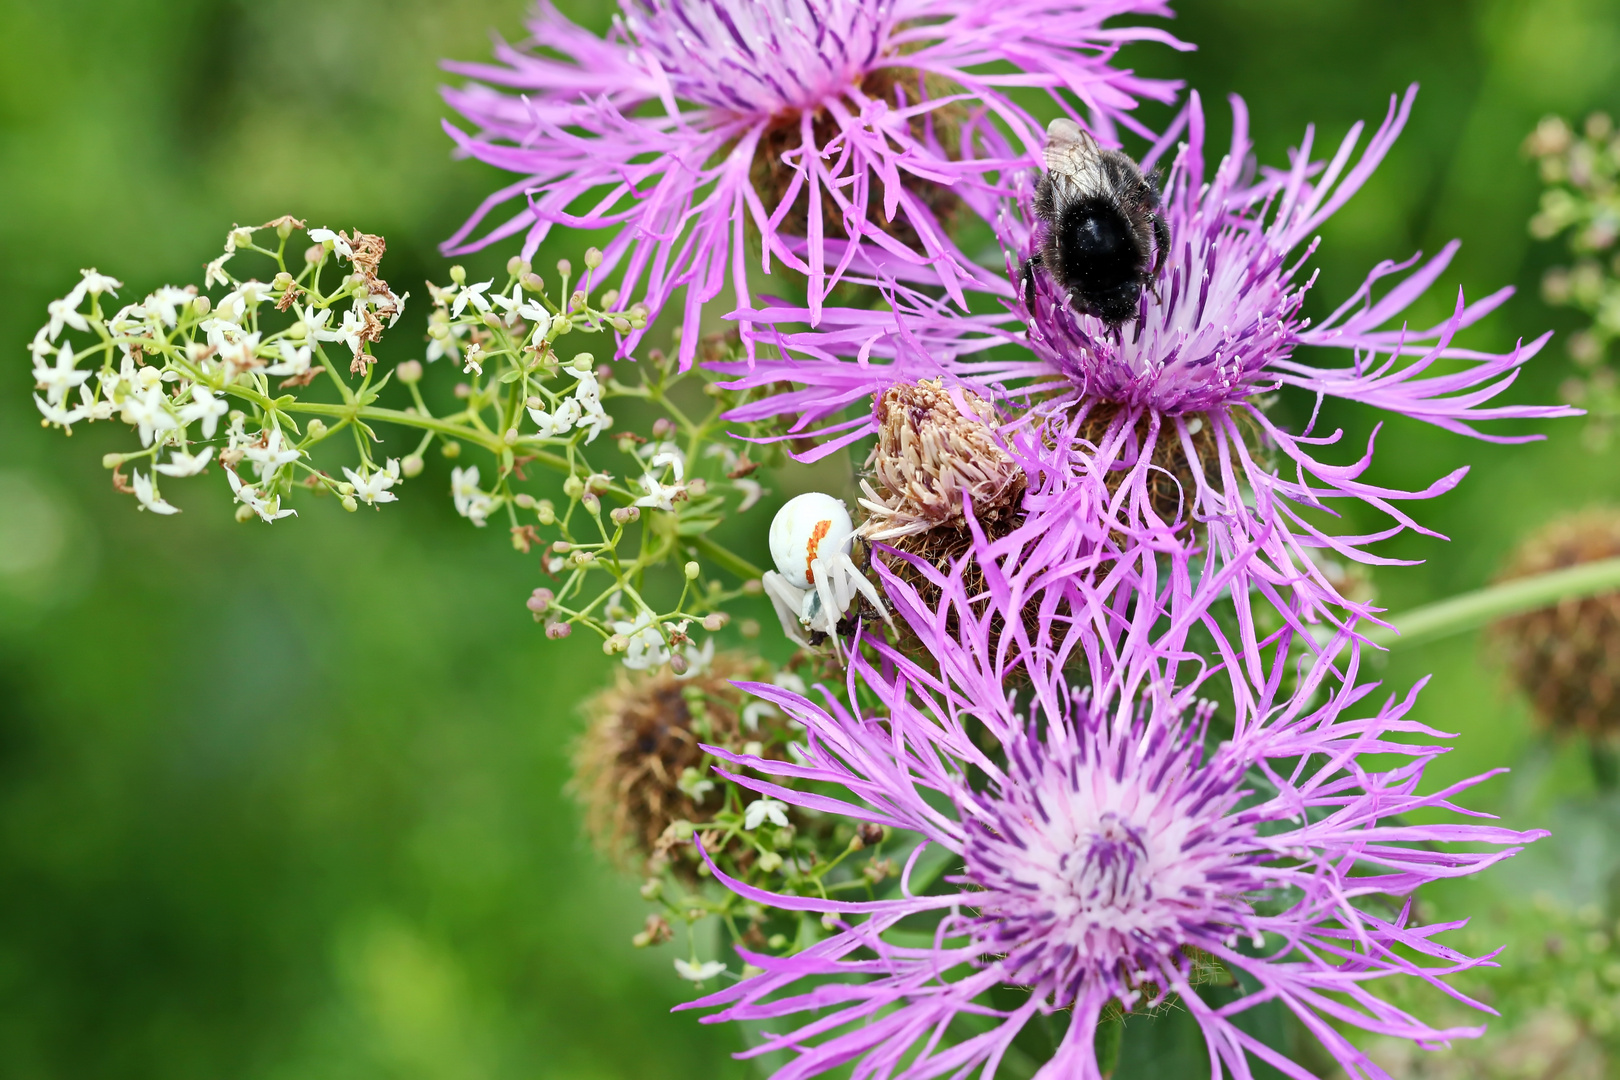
[(1566, 659), (645, 733)]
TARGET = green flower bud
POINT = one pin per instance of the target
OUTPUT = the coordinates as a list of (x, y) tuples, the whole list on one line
[(546, 512), (593, 258), (349, 504), (517, 266), (565, 268), (692, 570), (409, 372), (770, 863), (412, 465), (284, 230), (458, 274), (316, 428), (451, 449), (573, 487), (244, 513)]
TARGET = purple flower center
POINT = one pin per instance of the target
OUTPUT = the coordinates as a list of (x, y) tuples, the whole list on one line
[(760, 57), (1109, 868)]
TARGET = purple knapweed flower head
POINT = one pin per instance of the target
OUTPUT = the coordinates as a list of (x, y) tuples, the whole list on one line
[(1107, 855), (840, 130), (1172, 406)]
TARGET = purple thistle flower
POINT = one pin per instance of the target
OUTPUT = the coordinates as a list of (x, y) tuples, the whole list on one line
[(1107, 857), (658, 130), (1185, 380)]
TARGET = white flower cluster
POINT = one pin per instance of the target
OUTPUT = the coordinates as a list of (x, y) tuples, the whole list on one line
[(171, 366), (255, 378)]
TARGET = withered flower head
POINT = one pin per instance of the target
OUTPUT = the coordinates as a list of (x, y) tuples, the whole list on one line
[(645, 734), (1566, 658), (934, 444)]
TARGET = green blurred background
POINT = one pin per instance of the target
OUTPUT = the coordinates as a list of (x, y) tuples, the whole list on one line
[(287, 802)]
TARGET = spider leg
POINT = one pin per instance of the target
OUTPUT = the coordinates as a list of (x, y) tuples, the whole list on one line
[(867, 589), (787, 601), (821, 574)]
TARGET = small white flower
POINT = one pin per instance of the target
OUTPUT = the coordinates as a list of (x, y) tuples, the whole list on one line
[(340, 245), (146, 492), (593, 419), (205, 407), (517, 306), (552, 424), (752, 712), (588, 391), (660, 496), (295, 360), (270, 457), (238, 354), (167, 302), (647, 648), (56, 415), (698, 660), (694, 784), (471, 503), (66, 312), (184, 464), (147, 410), (214, 273), (449, 345), (386, 303), (373, 489), (349, 332), (268, 509), (751, 491), (100, 283), (41, 346), (790, 681), (474, 360), (316, 320), (58, 380), (473, 294), (762, 810), (92, 409), (699, 972)]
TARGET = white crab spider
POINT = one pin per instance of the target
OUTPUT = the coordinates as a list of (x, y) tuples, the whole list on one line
[(815, 580)]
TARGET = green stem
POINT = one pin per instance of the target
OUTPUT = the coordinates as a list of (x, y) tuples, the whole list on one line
[(727, 559), (1473, 610)]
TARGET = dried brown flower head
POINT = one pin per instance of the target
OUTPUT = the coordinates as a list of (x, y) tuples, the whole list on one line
[(1566, 658), (934, 445), (645, 732)]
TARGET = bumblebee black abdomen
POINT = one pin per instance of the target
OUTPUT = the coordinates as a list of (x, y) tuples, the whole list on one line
[(1101, 258)]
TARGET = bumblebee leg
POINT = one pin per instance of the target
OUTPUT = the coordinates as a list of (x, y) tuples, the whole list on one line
[(1029, 281), (1161, 243)]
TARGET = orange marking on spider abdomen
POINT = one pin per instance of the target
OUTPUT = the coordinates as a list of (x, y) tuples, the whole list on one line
[(817, 535)]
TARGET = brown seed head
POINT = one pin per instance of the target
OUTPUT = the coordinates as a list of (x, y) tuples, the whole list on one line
[(646, 731), (934, 445), (1566, 658)]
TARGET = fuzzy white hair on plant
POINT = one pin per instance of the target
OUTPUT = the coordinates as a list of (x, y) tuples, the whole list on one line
[(815, 580)]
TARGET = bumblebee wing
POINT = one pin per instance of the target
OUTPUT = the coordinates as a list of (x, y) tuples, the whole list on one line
[(1071, 153)]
